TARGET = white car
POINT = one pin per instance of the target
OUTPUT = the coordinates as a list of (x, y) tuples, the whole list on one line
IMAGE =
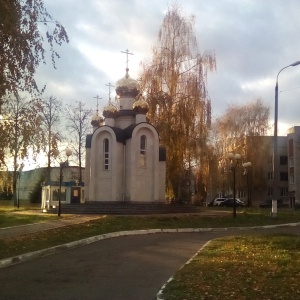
[(218, 201)]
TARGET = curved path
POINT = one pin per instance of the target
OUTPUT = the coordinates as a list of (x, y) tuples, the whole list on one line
[(127, 267)]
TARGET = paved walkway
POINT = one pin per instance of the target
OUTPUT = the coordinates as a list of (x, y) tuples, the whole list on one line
[(35, 227)]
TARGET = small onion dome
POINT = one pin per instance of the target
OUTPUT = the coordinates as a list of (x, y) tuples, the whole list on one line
[(127, 87), (96, 120), (109, 111), (140, 106)]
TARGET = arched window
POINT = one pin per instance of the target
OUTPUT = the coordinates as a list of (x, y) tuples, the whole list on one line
[(106, 154), (143, 142)]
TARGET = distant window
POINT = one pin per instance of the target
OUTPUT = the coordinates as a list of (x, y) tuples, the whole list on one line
[(284, 192), (291, 161), (63, 196), (270, 175), (106, 154), (283, 160), (143, 142), (284, 176), (292, 179), (55, 194)]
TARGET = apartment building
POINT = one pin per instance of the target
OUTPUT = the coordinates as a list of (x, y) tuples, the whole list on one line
[(259, 151), (289, 165), (293, 144)]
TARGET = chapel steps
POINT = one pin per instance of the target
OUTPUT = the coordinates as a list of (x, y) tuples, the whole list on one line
[(124, 208)]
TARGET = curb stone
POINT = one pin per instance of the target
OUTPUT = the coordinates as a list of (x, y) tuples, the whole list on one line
[(49, 251)]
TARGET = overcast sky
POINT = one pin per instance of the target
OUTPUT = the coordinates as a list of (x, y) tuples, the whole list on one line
[(252, 39)]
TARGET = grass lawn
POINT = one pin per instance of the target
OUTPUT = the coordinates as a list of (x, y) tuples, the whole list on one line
[(255, 267), (11, 216)]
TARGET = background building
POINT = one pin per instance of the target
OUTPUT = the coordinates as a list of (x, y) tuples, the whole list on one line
[(293, 160), (30, 181), (261, 171)]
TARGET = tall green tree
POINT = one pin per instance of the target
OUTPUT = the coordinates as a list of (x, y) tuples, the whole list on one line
[(174, 82), (22, 43), (78, 126)]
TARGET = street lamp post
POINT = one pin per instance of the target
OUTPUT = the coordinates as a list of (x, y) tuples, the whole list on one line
[(234, 161), (61, 166), (275, 145), (246, 167)]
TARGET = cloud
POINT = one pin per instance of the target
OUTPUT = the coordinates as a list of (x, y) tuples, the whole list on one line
[(252, 39)]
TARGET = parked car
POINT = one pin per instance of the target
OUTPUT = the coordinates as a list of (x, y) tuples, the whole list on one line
[(230, 202), (218, 201), (268, 203)]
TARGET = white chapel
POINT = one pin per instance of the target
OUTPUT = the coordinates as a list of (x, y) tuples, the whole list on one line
[(124, 160)]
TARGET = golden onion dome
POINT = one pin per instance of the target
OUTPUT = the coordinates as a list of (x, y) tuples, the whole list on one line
[(127, 87), (96, 120), (109, 111), (140, 106)]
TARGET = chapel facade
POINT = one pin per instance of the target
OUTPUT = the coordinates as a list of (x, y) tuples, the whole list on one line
[(124, 159)]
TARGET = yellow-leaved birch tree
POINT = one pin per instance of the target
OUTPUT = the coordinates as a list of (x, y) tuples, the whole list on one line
[(174, 85)]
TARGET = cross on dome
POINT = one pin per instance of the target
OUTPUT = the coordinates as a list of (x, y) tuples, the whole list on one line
[(109, 92), (97, 97), (127, 60), (96, 119)]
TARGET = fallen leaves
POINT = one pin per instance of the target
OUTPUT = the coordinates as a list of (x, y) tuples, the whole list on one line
[(256, 267)]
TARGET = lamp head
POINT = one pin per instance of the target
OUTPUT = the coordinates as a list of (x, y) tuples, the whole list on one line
[(237, 156), (230, 155), (247, 164), (295, 63), (68, 152)]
